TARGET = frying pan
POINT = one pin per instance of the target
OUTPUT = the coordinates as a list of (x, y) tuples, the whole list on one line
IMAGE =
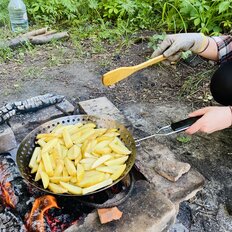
[(27, 146)]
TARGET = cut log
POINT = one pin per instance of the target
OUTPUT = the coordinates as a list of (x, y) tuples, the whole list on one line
[(47, 38), (22, 39)]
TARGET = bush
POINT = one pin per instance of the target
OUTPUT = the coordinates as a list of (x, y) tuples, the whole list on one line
[(207, 16)]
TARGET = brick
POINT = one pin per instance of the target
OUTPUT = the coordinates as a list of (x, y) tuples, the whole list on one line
[(146, 210), (7, 138), (102, 107), (65, 106)]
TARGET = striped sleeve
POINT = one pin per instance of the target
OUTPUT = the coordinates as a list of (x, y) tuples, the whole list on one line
[(224, 44)]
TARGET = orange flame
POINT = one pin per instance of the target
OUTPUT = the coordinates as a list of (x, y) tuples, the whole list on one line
[(36, 218), (5, 188)]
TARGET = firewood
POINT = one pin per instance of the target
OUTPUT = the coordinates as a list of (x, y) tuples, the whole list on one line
[(48, 37), (22, 39)]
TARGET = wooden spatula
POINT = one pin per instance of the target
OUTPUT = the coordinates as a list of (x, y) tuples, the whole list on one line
[(119, 74)]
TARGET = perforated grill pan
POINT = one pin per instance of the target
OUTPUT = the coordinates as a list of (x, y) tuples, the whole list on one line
[(27, 146)]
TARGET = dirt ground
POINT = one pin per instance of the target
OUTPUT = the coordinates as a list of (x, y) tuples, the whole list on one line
[(150, 99)]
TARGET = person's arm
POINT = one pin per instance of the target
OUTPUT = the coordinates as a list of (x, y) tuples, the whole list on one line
[(174, 44), (211, 50), (213, 119)]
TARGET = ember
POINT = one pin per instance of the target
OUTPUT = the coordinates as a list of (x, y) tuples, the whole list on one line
[(6, 194), (36, 218)]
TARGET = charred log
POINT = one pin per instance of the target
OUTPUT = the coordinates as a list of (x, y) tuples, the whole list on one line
[(32, 104)]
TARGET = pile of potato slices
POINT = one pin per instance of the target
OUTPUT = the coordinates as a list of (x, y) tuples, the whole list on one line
[(78, 159)]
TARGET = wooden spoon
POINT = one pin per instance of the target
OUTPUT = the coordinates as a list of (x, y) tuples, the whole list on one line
[(119, 74)]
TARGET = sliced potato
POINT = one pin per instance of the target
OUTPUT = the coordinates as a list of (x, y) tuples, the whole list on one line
[(67, 138), (119, 148), (48, 146), (47, 163), (97, 186), (118, 161), (74, 152), (101, 160), (70, 167), (45, 179), (57, 179), (80, 172), (57, 188), (118, 172), (91, 180), (59, 167), (71, 188), (34, 156)]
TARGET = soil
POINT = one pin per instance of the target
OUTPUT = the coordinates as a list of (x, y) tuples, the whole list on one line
[(150, 99)]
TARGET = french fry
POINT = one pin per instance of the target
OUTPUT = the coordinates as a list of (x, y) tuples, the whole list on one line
[(45, 179), (84, 136), (41, 142), (91, 180), (59, 167), (65, 172), (118, 172), (74, 152), (118, 161), (57, 188), (106, 169), (119, 148), (97, 186), (80, 172), (34, 168), (75, 128), (101, 160), (48, 146), (47, 163), (70, 167), (34, 156), (67, 138), (57, 179), (71, 188)]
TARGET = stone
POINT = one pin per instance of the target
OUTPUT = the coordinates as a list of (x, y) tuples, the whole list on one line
[(171, 169), (7, 138), (65, 106), (150, 154), (146, 210), (161, 159), (102, 107)]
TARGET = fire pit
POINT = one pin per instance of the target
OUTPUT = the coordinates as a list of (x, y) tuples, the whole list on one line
[(147, 200)]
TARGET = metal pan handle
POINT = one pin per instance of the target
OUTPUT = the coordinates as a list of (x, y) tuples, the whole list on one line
[(184, 124)]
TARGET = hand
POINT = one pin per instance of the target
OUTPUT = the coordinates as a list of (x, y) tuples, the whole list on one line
[(214, 119), (174, 44)]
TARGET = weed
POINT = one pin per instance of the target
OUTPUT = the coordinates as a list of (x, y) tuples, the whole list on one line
[(183, 139), (32, 72), (195, 85)]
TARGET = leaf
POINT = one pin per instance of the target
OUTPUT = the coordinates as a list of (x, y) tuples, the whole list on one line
[(223, 6), (197, 21), (183, 139)]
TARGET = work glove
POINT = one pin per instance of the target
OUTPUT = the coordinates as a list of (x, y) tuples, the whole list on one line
[(173, 45)]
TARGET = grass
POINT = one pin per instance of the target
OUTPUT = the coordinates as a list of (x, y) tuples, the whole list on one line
[(197, 85)]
